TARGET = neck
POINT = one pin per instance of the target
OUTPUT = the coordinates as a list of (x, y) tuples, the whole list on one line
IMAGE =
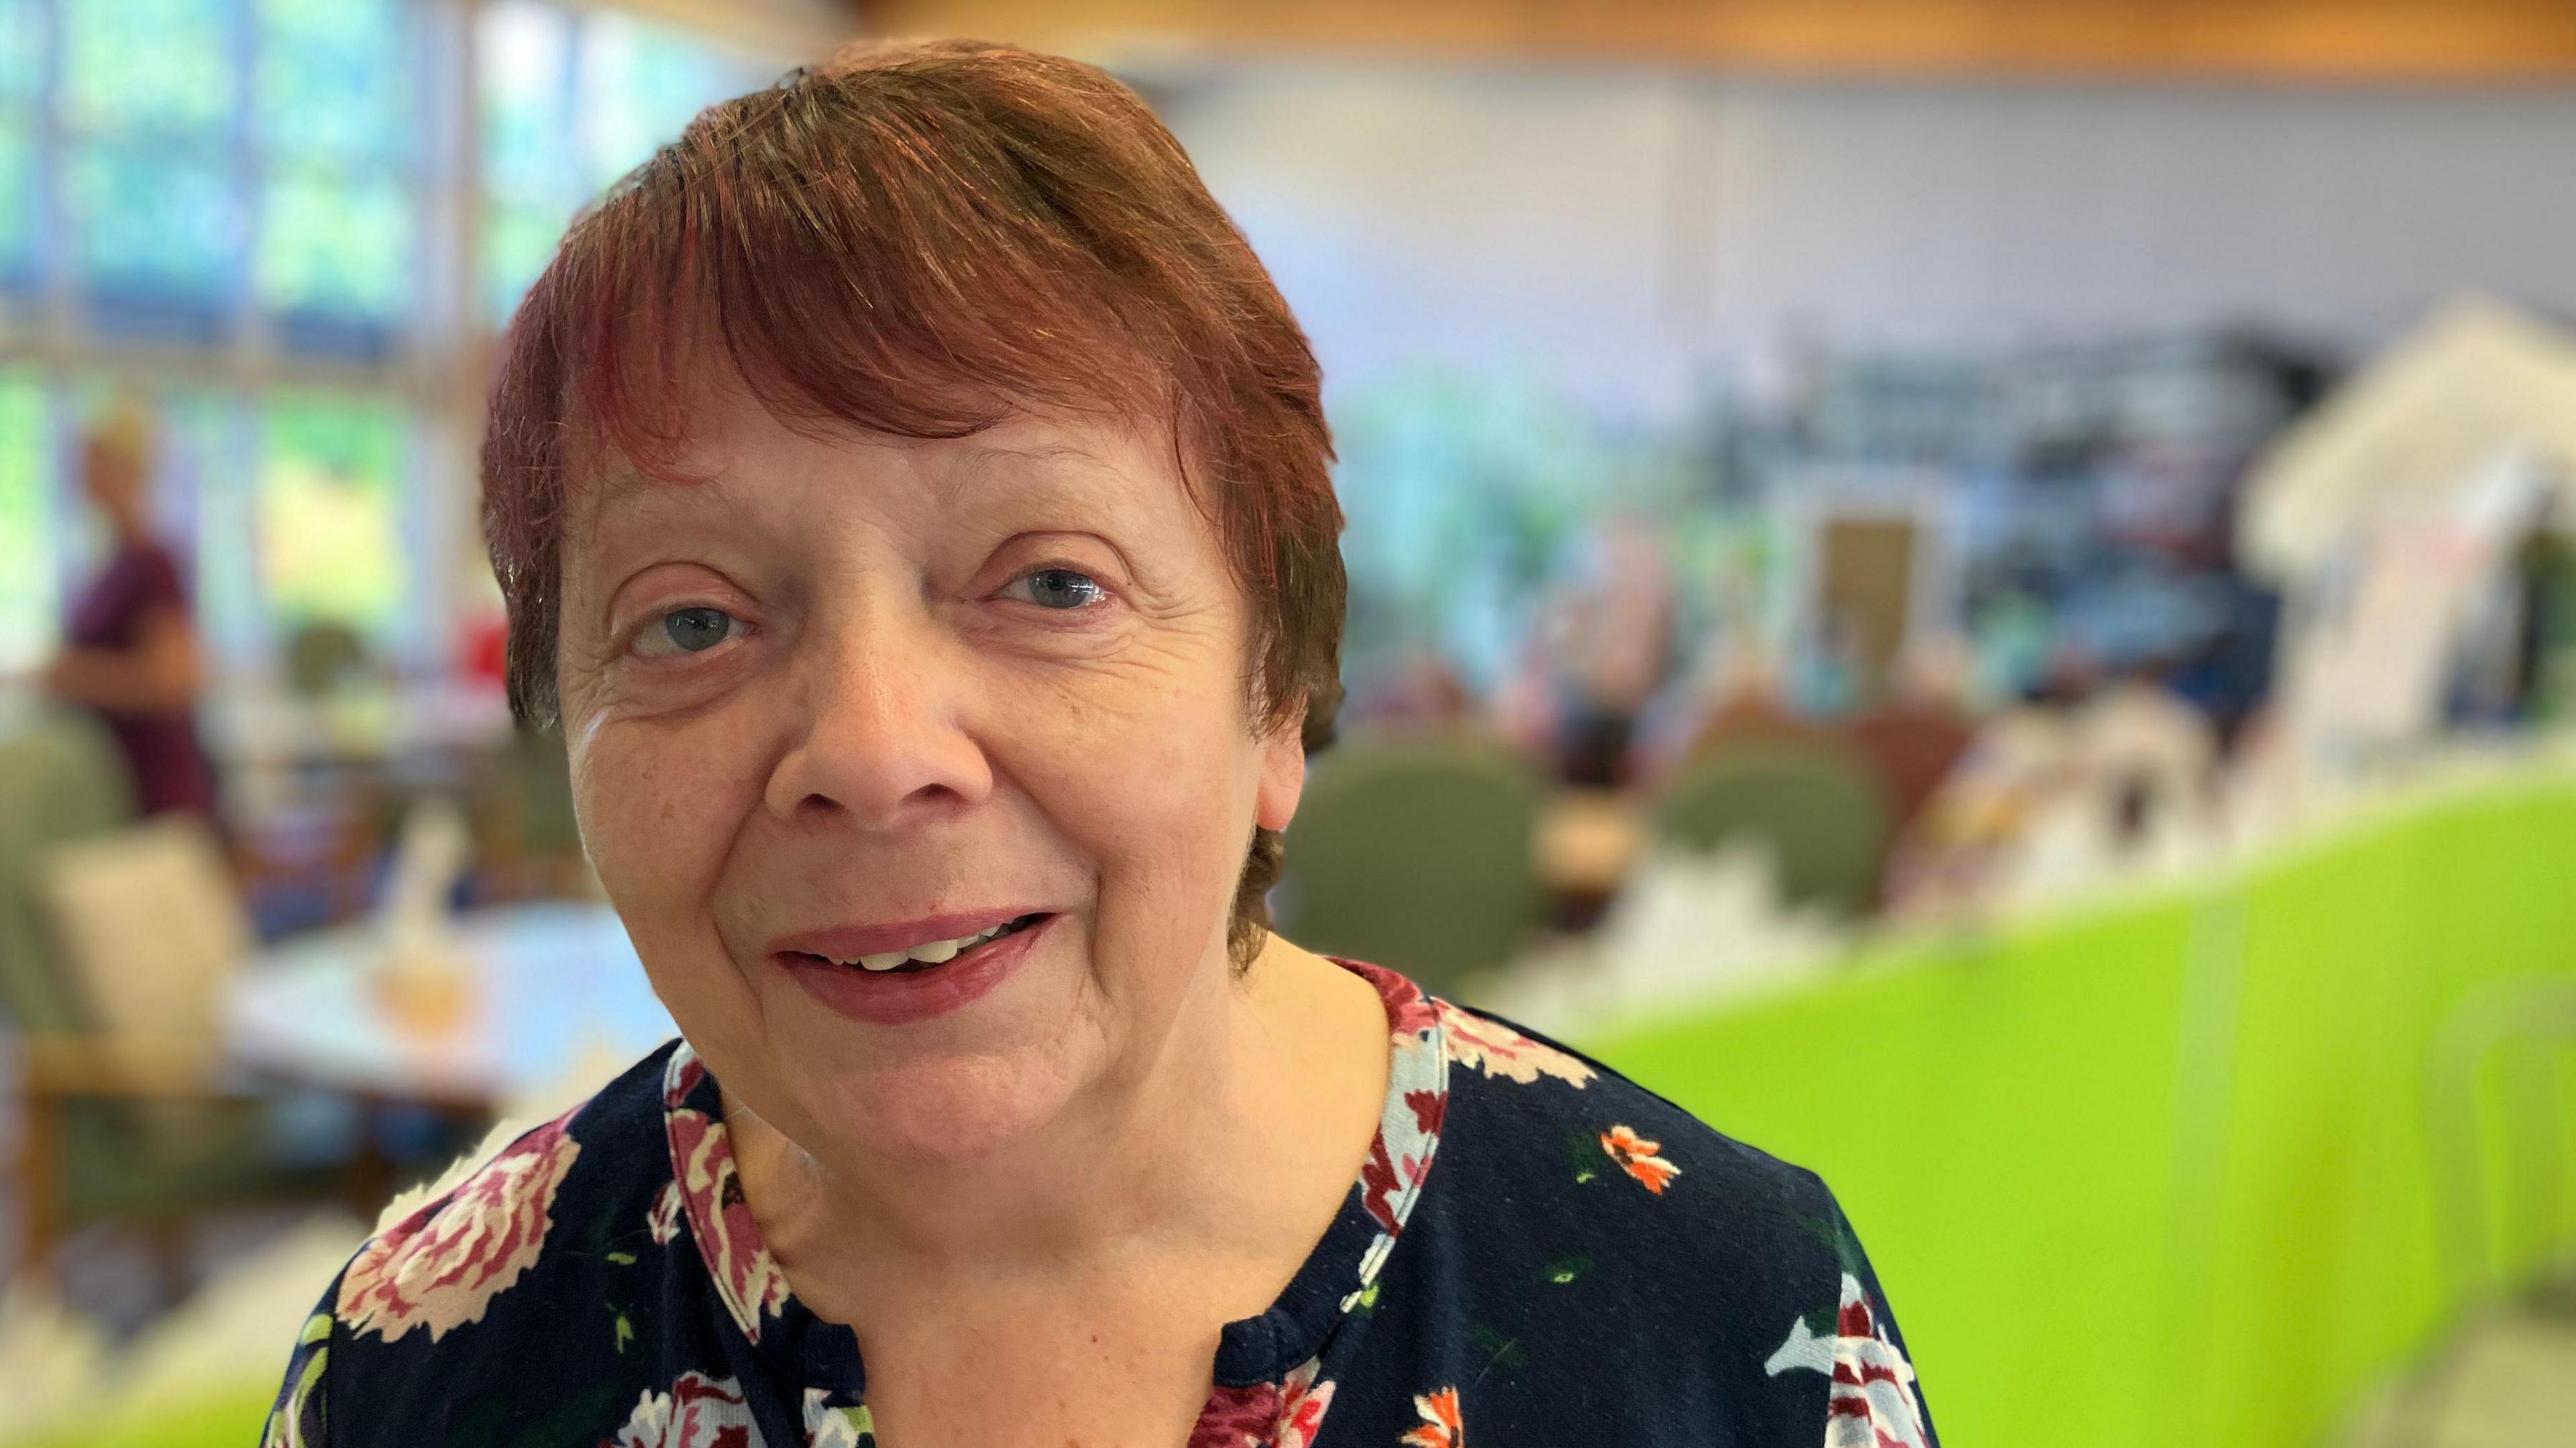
[(1257, 1108)]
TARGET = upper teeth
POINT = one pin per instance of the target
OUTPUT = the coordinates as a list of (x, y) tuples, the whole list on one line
[(932, 952)]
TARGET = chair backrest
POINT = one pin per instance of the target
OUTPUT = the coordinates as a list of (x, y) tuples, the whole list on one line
[(1415, 856), (152, 925), (319, 654), (1820, 812), (2522, 1029), (61, 779)]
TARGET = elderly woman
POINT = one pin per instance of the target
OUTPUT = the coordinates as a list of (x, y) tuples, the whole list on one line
[(911, 497)]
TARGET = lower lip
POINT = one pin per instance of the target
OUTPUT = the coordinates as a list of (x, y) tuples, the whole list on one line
[(901, 997)]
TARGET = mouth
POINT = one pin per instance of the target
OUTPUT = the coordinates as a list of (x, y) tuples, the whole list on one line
[(930, 954), (891, 976)]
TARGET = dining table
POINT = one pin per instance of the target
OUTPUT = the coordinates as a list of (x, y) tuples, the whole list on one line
[(509, 1009)]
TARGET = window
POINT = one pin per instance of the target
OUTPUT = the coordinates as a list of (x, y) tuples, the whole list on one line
[(330, 501), (339, 228), (28, 599), (234, 209), (148, 88), (570, 103)]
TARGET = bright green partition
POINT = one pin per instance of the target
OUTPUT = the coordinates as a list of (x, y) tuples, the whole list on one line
[(2157, 1176), (1998, 1123)]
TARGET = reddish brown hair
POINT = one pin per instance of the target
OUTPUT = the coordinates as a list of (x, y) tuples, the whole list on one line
[(918, 240)]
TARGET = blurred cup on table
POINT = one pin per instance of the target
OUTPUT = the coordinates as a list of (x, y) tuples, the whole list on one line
[(426, 984)]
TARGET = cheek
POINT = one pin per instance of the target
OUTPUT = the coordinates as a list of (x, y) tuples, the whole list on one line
[(657, 806), (1153, 781)]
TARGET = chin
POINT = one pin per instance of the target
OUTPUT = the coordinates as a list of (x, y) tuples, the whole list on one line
[(939, 1109)]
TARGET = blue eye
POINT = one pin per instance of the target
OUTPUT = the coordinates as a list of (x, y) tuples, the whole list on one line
[(1058, 588), (695, 630)]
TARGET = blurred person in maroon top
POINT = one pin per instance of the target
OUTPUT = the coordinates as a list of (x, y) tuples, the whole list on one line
[(130, 650)]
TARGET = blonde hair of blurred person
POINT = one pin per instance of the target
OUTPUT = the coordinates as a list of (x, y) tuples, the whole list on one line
[(130, 645)]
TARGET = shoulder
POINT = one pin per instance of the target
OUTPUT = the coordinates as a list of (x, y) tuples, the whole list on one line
[(1518, 1096), (465, 1293), (1545, 1144), (1611, 1226)]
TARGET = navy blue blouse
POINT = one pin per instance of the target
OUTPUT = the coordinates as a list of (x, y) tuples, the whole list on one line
[(1537, 1252)]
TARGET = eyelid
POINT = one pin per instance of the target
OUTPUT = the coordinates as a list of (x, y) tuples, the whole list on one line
[(666, 587)]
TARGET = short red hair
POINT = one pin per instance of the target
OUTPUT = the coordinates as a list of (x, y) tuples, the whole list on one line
[(920, 239)]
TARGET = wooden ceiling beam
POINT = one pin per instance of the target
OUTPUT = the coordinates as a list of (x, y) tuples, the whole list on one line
[(2395, 40)]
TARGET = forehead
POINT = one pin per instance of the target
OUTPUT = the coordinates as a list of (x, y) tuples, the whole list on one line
[(741, 460)]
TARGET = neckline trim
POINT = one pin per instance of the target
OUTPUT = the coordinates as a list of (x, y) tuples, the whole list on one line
[(1337, 1277)]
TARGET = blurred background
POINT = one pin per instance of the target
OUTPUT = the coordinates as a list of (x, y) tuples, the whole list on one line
[(1980, 591)]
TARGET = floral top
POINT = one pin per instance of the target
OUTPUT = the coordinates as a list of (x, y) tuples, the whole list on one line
[(1537, 1252)]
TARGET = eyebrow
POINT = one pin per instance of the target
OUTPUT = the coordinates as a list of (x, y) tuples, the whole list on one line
[(623, 483), (983, 456), (606, 490)]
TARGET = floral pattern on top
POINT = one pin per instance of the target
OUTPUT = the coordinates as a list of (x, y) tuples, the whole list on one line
[(1481, 1043), (441, 1267), (697, 1412), (1266, 1415), (827, 1426), (664, 1221), (1485, 1263), (296, 1401), (1873, 1403), (710, 1191), (1639, 1158), (1408, 1127), (1442, 1426)]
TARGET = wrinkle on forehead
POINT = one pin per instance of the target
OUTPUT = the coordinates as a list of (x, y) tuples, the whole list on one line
[(1028, 446)]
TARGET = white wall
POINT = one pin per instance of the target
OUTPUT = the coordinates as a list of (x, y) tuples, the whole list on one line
[(1624, 235)]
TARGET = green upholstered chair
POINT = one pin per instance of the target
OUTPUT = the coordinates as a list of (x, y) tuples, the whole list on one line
[(61, 780), (96, 1141), (1416, 856), (1819, 811)]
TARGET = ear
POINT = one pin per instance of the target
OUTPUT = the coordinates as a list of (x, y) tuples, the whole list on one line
[(1283, 774)]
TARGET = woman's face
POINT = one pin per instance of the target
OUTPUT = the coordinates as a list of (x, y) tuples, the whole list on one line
[(853, 703)]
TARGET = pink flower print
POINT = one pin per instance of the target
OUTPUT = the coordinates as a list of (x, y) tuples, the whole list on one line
[(746, 1276), (664, 1220), (441, 1267), (1301, 1407), (698, 1412), (1498, 1050), (1266, 1415), (1872, 1402)]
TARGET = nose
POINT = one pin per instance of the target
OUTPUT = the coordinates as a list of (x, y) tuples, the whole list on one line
[(881, 744)]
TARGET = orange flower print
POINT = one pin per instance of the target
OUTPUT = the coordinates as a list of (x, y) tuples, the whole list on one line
[(1441, 1427), (1639, 1158)]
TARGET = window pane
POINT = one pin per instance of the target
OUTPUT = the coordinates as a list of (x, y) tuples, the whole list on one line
[(336, 245), (518, 241), (335, 80), (524, 54), (209, 441), (157, 235), (130, 64), (17, 210), (22, 39), (640, 86), (330, 500), (30, 561)]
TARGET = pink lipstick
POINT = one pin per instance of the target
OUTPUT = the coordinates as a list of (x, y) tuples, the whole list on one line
[(892, 975)]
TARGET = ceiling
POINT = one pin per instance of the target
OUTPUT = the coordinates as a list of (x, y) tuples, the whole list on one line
[(2488, 40)]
